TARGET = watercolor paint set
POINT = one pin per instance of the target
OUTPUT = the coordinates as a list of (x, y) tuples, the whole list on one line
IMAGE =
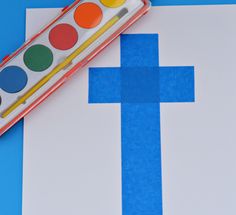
[(69, 42)]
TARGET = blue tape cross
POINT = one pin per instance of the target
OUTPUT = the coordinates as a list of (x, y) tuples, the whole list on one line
[(140, 85)]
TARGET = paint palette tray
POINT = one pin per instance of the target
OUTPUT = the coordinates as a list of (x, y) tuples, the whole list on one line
[(69, 42)]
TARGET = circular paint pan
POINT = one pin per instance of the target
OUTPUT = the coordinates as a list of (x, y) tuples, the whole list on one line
[(88, 15), (38, 58), (63, 37), (112, 3), (13, 79)]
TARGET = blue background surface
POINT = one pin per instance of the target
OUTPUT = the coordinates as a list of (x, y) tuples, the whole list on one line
[(11, 144)]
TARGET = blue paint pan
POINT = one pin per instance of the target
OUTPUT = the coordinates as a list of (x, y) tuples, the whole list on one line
[(13, 79)]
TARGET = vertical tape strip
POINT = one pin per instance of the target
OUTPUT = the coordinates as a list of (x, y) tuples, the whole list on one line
[(139, 50), (141, 159), (140, 102)]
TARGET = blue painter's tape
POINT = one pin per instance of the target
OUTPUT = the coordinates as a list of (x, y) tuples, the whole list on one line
[(140, 85), (141, 159), (104, 85), (142, 51), (177, 84)]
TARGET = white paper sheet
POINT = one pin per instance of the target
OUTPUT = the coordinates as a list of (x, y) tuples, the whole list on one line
[(72, 149)]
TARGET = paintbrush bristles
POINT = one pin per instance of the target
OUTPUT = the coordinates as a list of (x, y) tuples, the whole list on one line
[(122, 13)]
